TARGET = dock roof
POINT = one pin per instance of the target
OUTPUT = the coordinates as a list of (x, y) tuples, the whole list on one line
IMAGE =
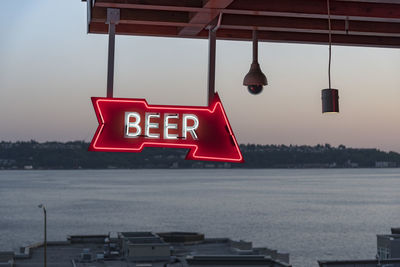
[(354, 22)]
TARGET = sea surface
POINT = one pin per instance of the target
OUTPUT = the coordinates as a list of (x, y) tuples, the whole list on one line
[(314, 214)]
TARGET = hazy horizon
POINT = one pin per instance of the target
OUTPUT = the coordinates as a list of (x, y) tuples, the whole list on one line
[(347, 147), (50, 68)]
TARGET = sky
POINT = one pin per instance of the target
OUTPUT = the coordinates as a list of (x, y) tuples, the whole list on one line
[(50, 67)]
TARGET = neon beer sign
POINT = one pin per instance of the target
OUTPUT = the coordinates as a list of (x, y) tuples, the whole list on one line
[(129, 125), (168, 117)]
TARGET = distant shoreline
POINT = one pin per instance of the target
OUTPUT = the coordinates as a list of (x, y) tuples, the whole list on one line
[(32, 155), (342, 168)]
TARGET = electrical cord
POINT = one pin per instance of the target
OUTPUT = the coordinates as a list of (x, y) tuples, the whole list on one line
[(330, 43)]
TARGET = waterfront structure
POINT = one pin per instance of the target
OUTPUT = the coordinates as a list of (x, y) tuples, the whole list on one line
[(388, 246), (388, 254), (361, 263), (355, 22), (146, 249)]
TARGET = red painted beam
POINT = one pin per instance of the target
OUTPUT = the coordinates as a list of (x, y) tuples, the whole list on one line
[(99, 14), (248, 22), (309, 38), (313, 8), (246, 35), (129, 29), (154, 3), (110, 4), (211, 10)]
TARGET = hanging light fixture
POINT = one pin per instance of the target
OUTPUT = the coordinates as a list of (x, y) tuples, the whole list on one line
[(330, 97), (255, 78)]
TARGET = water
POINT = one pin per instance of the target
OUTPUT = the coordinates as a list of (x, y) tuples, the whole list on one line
[(312, 214)]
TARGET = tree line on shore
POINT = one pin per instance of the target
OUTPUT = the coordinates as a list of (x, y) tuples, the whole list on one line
[(75, 155)]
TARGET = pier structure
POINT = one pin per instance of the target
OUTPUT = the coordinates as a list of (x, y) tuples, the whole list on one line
[(145, 249), (388, 253), (373, 23)]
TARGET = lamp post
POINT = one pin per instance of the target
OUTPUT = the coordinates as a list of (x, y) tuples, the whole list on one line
[(45, 234)]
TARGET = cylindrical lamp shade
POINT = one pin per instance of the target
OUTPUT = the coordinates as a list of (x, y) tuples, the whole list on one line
[(330, 100)]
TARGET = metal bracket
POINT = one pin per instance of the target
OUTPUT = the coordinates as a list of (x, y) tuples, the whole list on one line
[(215, 27), (212, 40), (212, 43), (113, 17), (89, 5)]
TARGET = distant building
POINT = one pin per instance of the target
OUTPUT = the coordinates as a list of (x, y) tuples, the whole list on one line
[(350, 164), (361, 263), (385, 164), (388, 254), (146, 249), (144, 246), (388, 246), (175, 165)]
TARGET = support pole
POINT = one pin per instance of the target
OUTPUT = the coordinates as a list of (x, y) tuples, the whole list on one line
[(89, 14), (212, 43), (211, 64), (113, 16), (111, 53), (45, 236), (41, 206), (255, 46)]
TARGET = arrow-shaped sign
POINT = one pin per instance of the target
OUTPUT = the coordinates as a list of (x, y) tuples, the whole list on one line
[(128, 125)]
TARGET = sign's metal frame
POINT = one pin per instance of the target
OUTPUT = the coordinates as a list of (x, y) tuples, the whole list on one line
[(102, 142)]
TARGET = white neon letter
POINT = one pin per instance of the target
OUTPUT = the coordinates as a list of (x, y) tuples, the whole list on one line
[(168, 125), (129, 124), (191, 129), (149, 125)]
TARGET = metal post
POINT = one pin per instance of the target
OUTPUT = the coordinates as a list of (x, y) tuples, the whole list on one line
[(89, 14), (255, 46), (212, 43), (45, 236), (111, 52), (211, 64), (113, 17)]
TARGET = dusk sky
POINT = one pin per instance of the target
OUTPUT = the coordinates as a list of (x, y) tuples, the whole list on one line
[(50, 67)]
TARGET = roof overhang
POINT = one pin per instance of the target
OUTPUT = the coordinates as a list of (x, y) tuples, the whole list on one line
[(373, 23)]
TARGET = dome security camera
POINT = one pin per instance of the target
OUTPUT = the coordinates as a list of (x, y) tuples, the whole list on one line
[(255, 78), (255, 89)]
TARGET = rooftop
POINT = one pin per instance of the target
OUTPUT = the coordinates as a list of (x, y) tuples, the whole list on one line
[(185, 249), (354, 22), (361, 263)]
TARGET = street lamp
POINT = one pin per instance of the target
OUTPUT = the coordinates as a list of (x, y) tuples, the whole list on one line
[(45, 233)]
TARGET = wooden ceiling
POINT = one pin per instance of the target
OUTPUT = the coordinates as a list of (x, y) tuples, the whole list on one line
[(354, 22)]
